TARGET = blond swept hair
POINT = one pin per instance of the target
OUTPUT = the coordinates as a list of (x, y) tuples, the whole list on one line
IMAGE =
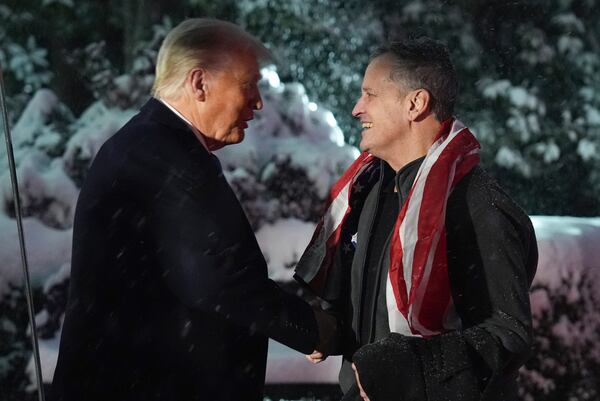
[(199, 42)]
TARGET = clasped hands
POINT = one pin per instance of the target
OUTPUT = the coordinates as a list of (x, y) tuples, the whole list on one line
[(328, 342), (327, 324)]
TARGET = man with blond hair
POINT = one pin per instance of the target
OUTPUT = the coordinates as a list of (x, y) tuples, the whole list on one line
[(169, 295)]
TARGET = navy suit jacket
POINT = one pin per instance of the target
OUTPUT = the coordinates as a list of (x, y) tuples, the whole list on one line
[(169, 297)]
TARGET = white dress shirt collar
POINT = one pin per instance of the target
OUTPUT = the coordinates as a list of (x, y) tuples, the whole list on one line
[(194, 129)]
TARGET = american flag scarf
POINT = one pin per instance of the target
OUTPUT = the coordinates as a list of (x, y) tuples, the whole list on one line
[(418, 293)]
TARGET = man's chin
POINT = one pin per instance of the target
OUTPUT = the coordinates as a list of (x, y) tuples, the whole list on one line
[(238, 137), (235, 137)]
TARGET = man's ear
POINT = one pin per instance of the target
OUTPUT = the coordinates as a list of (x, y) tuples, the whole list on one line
[(198, 80), (419, 104)]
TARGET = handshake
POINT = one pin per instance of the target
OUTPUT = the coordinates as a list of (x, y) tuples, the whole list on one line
[(329, 336), (329, 343)]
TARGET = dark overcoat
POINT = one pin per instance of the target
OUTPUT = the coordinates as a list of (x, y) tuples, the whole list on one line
[(492, 258), (169, 296)]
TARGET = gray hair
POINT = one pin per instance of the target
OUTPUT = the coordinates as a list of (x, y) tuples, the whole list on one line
[(424, 63), (199, 42)]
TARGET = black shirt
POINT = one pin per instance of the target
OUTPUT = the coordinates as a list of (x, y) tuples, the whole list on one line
[(375, 325)]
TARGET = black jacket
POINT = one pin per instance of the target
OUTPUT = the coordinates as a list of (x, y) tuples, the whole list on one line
[(169, 295), (492, 257)]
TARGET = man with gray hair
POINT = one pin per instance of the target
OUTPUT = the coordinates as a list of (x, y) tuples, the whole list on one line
[(169, 296), (425, 259)]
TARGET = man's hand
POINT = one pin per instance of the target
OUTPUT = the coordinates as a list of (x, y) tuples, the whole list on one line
[(363, 395), (316, 357), (328, 336)]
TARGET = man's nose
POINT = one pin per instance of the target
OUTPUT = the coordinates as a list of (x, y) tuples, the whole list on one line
[(358, 108)]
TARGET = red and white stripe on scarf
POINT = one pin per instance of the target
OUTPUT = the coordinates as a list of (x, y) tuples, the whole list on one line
[(418, 290)]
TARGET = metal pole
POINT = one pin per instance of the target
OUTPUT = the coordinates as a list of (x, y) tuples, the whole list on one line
[(19, 218)]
